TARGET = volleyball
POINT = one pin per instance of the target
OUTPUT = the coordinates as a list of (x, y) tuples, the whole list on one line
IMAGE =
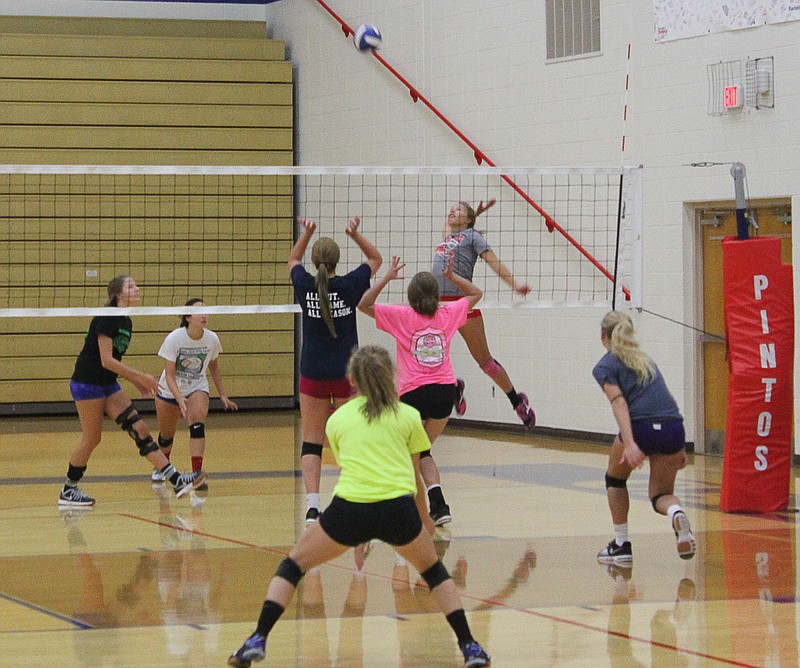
[(367, 38)]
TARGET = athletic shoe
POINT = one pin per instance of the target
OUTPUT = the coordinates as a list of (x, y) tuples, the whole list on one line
[(187, 482), (441, 515), (525, 412), (72, 496), (460, 404), (254, 649), (312, 515), (687, 545), (616, 554), (157, 476), (474, 655), (197, 500)]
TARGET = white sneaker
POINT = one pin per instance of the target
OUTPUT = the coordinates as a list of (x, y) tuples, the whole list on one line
[(157, 476), (687, 544)]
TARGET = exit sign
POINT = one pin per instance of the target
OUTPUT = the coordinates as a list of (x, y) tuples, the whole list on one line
[(732, 97)]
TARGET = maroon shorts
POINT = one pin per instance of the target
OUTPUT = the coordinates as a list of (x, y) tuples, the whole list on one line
[(474, 313), (339, 388)]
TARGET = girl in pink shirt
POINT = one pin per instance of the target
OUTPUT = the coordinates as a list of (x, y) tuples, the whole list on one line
[(423, 329)]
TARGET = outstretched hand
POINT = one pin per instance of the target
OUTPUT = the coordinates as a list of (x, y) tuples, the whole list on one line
[(484, 207), (395, 267), (308, 225), (352, 226)]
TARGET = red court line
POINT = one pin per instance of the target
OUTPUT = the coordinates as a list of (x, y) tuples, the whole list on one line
[(489, 601)]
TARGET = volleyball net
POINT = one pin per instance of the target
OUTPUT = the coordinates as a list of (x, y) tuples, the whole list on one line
[(224, 233)]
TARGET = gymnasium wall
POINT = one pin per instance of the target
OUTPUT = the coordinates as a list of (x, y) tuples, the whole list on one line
[(484, 66), (131, 91)]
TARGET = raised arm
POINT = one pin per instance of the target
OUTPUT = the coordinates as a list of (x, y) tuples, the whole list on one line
[(374, 258), (471, 291), (299, 248), (504, 273), (367, 303)]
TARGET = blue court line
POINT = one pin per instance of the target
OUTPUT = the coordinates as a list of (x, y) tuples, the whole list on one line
[(45, 611)]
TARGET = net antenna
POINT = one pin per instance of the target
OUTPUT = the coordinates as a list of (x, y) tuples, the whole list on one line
[(224, 233)]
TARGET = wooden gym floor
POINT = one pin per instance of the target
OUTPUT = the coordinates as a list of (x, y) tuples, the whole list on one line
[(143, 579)]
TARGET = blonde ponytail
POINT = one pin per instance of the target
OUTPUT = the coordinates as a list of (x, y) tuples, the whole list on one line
[(618, 328), (373, 372)]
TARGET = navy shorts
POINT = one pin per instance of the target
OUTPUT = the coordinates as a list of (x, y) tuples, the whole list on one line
[(664, 437), (432, 401), (83, 391), (394, 521)]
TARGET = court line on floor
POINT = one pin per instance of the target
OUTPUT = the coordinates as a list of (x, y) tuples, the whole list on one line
[(488, 602)]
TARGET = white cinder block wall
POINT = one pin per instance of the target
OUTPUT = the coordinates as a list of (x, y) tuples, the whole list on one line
[(483, 65)]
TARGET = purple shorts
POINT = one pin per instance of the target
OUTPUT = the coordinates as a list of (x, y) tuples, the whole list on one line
[(664, 437), (83, 391)]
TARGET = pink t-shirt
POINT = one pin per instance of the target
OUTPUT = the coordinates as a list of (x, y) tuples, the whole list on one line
[(423, 343)]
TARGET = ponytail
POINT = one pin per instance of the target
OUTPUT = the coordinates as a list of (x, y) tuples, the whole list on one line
[(618, 328), (325, 256)]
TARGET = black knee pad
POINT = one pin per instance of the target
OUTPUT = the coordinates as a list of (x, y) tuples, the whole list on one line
[(165, 443), (435, 575), (655, 499), (311, 449), (197, 430), (146, 445), (425, 453), (127, 419), (617, 483), (289, 571)]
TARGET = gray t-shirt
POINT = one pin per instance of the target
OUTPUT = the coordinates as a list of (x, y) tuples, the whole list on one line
[(645, 402), (465, 248)]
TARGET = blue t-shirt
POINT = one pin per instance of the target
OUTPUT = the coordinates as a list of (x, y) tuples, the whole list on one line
[(323, 357), (645, 402), (465, 248)]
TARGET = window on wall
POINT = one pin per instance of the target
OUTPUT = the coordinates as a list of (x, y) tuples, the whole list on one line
[(573, 28)]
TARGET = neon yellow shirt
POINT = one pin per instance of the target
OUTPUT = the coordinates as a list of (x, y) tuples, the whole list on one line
[(375, 457)]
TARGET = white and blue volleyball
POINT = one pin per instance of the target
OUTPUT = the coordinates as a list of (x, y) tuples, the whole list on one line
[(367, 38)]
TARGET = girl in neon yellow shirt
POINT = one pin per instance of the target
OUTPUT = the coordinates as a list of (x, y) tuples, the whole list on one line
[(376, 440)]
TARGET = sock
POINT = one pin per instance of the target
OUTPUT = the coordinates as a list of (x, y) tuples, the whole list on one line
[(74, 474), (170, 473), (621, 533), (313, 500), (270, 614), (458, 622), (435, 496), (674, 508), (197, 464), (514, 398)]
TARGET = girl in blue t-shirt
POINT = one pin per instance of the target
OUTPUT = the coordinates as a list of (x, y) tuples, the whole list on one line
[(329, 336), (650, 426), (462, 246)]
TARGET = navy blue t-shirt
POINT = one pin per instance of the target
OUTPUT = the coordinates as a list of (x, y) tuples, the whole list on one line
[(88, 367), (323, 357), (645, 402)]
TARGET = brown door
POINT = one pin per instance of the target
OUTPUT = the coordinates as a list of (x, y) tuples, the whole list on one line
[(773, 220)]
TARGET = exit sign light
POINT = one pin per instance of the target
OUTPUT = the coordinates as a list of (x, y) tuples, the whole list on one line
[(732, 97)]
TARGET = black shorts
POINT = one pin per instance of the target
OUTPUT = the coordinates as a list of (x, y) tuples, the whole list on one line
[(394, 521), (432, 401)]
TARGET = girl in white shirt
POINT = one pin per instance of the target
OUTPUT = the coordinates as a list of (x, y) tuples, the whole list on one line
[(183, 389)]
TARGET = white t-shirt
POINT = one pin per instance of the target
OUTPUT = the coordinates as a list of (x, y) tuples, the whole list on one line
[(191, 360)]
